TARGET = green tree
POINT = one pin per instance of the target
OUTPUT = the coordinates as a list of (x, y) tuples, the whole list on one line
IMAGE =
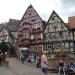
[(3, 47)]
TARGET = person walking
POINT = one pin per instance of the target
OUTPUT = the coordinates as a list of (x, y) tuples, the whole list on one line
[(44, 63), (38, 63), (32, 58), (22, 58), (6, 59)]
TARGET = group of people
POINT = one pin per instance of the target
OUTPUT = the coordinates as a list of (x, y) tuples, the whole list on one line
[(44, 62), (34, 58), (4, 59), (40, 60), (62, 67)]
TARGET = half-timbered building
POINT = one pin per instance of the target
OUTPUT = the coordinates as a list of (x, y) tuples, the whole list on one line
[(4, 34), (30, 30), (58, 37)]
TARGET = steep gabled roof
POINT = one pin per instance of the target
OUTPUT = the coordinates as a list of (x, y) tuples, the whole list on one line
[(30, 6), (5, 28), (12, 25), (58, 17)]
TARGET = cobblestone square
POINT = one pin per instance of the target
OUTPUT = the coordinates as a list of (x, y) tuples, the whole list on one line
[(16, 68)]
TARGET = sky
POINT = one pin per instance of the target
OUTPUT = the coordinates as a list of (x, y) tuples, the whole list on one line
[(14, 9)]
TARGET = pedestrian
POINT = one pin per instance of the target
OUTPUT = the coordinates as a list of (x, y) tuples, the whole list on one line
[(38, 64), (32, 58), (61, 67), (35, 58), (29, 58), (3, 58), (6, 59), (44, 63), (22, 58)]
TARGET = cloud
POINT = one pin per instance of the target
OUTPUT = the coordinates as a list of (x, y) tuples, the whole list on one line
[(16, 8), (67, 8), (45, 7), (68, 3)]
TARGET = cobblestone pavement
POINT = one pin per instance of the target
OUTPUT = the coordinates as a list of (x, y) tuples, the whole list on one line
[(16, 68)]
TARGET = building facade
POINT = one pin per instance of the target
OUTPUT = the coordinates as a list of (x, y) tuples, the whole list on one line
[(58, 37), (4, 34), (37, 35), (30, 30), (12, 28), (71, 22), (8, 34)]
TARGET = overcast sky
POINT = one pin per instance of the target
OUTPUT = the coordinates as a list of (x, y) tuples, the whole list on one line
[(14, 9)]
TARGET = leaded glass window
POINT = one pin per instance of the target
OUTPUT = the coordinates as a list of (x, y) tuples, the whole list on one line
[(66, 45), (71, 44), (53, 35), (47, 36), (57, 35)]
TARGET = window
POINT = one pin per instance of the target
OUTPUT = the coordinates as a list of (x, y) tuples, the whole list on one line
[(59, 25), (58, 45), (55, 18), (33, 20), (66, 45), (35, 48), (47, 36), (34, 36), (33, 30), (51, 25), (66, 35), (71, 45), (35, 25), (50, 46), (53, 35), (31, 36), (40, 47), (57, 35), (54, 45), (38, 29), (29, 13)]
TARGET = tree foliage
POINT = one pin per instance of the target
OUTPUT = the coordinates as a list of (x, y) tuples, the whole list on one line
[(3, 47)]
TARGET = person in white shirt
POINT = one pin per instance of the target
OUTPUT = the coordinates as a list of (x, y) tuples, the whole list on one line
[(44, 62)]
